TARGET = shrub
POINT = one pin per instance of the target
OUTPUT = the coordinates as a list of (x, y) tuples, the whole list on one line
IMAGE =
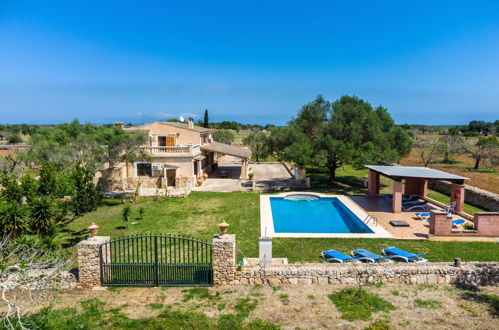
[(42, 213), (13, 219), (86, 197), (358, 304), (223, 136), (14, 138), (125, 213)]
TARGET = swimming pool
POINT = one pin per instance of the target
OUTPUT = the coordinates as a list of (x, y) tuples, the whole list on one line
[(314, 215)]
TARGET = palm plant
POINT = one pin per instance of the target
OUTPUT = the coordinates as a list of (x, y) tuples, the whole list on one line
[(42, 212), (13, 219)]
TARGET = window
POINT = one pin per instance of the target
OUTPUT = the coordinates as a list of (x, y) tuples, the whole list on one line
[(144, 169)]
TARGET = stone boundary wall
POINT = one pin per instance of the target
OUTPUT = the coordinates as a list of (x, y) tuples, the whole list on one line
[(225, 271), (475, 196), (471, 274)]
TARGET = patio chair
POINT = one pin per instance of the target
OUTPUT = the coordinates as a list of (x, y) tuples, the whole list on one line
[(450, 208), (364, 255), (335, 256), (396, 253)]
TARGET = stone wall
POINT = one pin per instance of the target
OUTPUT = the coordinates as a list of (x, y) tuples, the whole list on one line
[(89, 261), (225, 271), (224, 259), (472, 274), (475, 196)]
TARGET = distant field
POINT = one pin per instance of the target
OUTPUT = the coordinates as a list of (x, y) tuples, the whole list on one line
[(484, 178), (239, 136)]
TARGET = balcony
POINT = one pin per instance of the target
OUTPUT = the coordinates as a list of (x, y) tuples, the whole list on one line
[(191, 150)]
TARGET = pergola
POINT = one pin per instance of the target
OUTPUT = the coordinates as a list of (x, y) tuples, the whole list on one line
[(416, 183)]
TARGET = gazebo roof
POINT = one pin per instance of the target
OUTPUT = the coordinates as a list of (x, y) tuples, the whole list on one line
[(401, 172)]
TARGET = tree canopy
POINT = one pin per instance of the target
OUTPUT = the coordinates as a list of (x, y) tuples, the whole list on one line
[(346, 131), (88, 145)]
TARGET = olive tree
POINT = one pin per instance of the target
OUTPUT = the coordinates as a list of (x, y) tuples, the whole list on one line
[(346, 131)]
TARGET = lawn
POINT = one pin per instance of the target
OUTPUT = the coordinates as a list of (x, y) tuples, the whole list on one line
[(199, 215)]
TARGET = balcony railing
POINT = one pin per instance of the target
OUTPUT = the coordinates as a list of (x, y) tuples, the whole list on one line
[(190, 150)]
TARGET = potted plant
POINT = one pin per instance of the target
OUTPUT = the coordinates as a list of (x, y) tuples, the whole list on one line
[(250, 175)]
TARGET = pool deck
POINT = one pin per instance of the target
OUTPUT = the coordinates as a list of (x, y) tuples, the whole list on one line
[(361, 206), (381, 208), (267, 223)]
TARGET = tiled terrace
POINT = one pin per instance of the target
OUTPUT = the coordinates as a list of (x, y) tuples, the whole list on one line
[(381, 208)]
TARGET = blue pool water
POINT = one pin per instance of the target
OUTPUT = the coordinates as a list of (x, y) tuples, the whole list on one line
[(319, 215)]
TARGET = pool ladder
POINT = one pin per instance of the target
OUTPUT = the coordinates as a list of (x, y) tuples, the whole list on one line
[(370, 218)]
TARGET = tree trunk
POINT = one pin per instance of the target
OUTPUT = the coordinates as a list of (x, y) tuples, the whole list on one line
[(332, 173), (477, 163)]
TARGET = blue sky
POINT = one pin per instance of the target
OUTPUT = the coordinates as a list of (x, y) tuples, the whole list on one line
[(429, 62)]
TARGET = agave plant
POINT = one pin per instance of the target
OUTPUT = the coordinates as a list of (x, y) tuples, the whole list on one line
[(13, 219), (42, 212)]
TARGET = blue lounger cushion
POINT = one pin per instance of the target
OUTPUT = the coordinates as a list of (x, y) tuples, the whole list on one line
[(336, 256), (396, 253), (364, 255), (454, 222)]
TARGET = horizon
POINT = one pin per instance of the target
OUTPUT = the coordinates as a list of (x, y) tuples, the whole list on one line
[(429, 64)]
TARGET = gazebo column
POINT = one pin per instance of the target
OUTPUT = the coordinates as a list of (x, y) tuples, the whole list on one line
[(397, 196), (373, 183), (457, 196)]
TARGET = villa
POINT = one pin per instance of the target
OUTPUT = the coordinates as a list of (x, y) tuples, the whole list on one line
[(181, 155)]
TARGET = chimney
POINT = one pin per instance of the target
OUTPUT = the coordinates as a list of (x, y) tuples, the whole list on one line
[(191, 123)]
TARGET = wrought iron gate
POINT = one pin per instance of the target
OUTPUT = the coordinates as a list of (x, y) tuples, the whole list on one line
[(156, 260)]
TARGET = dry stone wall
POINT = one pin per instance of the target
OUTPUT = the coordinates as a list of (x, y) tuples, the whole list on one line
[(226, 272), (472, 195), (472, 274)]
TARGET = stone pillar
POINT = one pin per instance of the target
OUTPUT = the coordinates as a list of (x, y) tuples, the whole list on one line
[(457, 196), (397, 196), (373, 183), (89, 260), (224, 259), (440, 225), (244, 169)]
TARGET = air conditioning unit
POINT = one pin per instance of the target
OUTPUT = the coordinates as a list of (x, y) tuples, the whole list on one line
[(156, 167)]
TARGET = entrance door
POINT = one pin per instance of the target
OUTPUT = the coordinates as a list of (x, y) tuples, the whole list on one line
[(170, 177)]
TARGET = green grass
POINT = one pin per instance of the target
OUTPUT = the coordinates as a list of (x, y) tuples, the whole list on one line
[(359, 304), (95, 315), (199, 215), (433, 304)]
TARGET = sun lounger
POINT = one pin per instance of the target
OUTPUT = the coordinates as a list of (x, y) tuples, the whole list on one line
[(364, 255), (396, 253), (423, 215), (424, 207), (335, 256), (454, 222)]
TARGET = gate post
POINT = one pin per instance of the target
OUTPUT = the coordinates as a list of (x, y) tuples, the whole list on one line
[(224, 259), (89, 261)]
